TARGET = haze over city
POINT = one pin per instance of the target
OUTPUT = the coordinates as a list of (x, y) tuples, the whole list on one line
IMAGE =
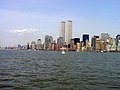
[(22, 21)]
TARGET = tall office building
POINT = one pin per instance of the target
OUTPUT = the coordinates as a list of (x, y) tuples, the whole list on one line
[(60, 42), (28, 47), (113, 44), (39, 44), (72, 44), (85, 37), (53, 46), (62, 30), (105, 36), (33, 45), (76, 40), (68, 28), (117, 39), (98, 45), (93, 42), (118, 46), (48, 42)]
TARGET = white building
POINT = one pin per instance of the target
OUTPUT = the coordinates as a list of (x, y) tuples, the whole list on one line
[(62, 30), (33, 45), (68, 28), (113, 45), (39, 44)]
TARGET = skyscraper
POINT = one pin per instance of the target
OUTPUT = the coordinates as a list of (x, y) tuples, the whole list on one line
[(39, 44), (118, 46), (93, 42), (85, 37), (48, 42), (28, 47), (117, 39), (62, 30), (113, 44), (68, 28), (72, 44), (60, 42), (33, 45), (105, 36), (76, 40)]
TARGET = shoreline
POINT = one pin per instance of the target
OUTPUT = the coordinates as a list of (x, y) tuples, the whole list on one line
[(58, 50)]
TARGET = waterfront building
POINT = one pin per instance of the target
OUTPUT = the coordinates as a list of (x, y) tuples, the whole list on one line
[(72, 46), (104, 36), (85, 37), (60, 42), (19, 46), (62, 30), (108, 46), (23, 47), (89, 47), (109, 40), (65, 45), (68, 46), (78, 46), (87, 43), (77, 43), (98, 44), (118, 46), (28, 46), (33, 45), (39, 44), (82, 44), (76, 40), (53, 46), (48, 41), (113, 45), (82, 48), (117, 39), (68, 28), (103, 46), (93, 42)]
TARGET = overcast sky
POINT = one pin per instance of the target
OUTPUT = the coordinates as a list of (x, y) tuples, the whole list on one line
[(23, 21)]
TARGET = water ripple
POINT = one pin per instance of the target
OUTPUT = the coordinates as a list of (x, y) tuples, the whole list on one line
[(44, 70)]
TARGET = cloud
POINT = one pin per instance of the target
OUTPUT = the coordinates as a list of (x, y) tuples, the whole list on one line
[(24, 31)]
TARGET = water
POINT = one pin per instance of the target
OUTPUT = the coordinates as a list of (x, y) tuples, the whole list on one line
[(47, 70)]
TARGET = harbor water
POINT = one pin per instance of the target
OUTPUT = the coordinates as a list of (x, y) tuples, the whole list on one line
[(50, 70)]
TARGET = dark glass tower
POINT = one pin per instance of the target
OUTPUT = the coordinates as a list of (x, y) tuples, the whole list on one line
[(117, 39), (85, 37), (93, 42), (76, 40)]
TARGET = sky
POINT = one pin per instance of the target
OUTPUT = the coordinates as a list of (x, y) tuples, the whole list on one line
[(23, 21)]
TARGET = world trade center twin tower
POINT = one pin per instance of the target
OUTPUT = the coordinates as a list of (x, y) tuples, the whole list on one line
[(66, 31)]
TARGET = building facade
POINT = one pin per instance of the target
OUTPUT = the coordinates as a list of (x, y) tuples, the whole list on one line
[(117, 39), (39, 44), (68, 28), (62, 30), (33, 45), (104, 36), (85, 37), (60, 42), (76, 40), (48, 42)]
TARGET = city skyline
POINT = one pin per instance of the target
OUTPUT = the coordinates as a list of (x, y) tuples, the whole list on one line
[(27, 20)]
